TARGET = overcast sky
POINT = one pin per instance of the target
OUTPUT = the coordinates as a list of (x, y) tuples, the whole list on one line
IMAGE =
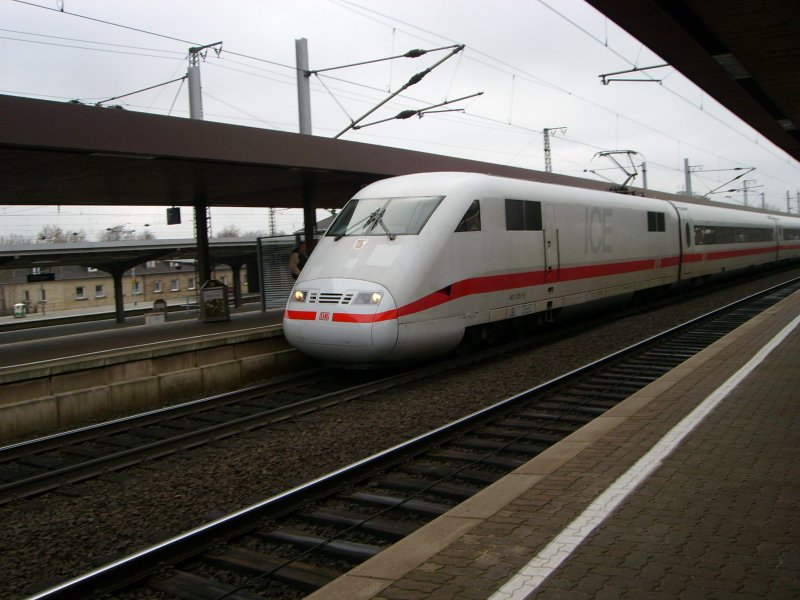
[(535, 62)]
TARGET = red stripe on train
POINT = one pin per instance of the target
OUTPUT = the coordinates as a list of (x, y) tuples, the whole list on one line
[(498, 283), (301, 315), (722, 254), (360, 318)]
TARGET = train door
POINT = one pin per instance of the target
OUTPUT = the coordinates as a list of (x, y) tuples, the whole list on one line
[(686, 263), (777, 236), (552, 253)]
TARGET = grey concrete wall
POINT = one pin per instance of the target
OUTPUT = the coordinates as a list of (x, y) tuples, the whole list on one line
[(70, 392)]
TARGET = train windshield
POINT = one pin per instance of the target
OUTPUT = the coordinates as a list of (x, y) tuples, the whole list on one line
[(384, 216)]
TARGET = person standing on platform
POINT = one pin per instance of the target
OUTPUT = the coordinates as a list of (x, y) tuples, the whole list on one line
[(297, 259)]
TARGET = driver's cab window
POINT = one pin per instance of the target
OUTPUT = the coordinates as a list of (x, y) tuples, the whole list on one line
[(471, 221)]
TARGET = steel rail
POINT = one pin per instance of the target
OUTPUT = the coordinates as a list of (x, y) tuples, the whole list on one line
[(157, 449), (90, 432)]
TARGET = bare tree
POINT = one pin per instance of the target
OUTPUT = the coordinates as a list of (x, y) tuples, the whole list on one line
[(229, 231), (13, 239), (53, 234), (117, 233)]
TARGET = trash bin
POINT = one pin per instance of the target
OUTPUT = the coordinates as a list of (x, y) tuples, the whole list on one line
[(159, 314), (214, 302), (20, 310), (160, 306)]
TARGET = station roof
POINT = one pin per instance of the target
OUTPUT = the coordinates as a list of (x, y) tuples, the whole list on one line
[(743, 53), (61, 153)]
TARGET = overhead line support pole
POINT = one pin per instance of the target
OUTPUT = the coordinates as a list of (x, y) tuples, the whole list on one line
[(201, 214), (688, 174), (303, 85), (308, 188), (548, 162)]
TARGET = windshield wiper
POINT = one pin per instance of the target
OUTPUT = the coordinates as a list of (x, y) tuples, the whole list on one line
[(369, 222), (378, 220), (369, 218)]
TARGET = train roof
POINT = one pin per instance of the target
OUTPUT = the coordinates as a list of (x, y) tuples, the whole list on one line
[(443, 182)]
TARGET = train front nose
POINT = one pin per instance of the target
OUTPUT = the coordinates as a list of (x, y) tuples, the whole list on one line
[(341, 320)]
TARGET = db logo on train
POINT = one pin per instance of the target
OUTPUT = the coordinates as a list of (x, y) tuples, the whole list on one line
[(324, 316)]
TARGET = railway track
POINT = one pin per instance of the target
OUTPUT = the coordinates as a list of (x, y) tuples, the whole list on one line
[(58, 462), (297, 541)]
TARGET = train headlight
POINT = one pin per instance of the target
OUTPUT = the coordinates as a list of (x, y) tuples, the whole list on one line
[(300, 295), (368, 298)]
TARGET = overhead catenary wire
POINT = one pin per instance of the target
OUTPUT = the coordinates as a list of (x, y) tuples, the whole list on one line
[(515, 72), (103, 21), (244, 112), (175, 99), (152, 87), (107, 51), (413, 81), (416, 53), (739, 176), (111, 23), (670, 90), (356, 7), (407, 114), (68, 39)]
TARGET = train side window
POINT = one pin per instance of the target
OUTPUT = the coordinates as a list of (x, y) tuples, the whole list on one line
[(708, 235), (523, 215), (688, 236), (791, 233), (656, 221), (515, 215), (471, 221), (533, 216)]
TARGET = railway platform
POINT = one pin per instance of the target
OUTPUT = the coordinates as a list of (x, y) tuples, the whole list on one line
[(76, 332), (687, 489), (68, 374)]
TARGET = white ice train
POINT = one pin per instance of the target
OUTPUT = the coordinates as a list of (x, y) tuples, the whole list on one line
[(412, 262)]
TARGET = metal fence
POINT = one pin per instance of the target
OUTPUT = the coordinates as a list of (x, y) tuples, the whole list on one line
[(273, 270)]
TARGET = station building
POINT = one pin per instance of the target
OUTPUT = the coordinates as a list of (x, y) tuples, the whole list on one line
[(59, 288)]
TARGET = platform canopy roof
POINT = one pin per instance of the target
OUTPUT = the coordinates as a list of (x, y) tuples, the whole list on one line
[(125, 254), (61, 153)]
